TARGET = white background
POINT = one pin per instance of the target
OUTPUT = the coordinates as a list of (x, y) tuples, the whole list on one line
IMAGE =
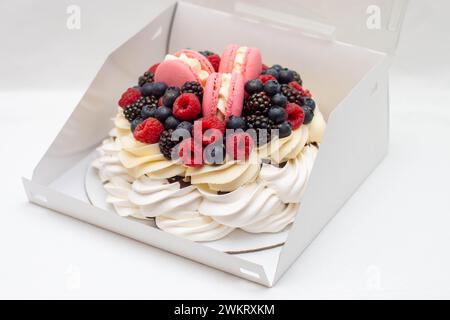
[(391, 240)]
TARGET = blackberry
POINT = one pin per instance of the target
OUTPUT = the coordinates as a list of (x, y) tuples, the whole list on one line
[(260, 122), (166, 144), (134, 110), (193, 87), (147, 77), (292, 95), (297, 77), (257, 104)]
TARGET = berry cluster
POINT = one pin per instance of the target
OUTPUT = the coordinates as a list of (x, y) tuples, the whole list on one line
[(172, 116)]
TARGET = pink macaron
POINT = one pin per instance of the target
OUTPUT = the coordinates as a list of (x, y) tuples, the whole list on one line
[(245, 60), (223, 95), (175, 71)]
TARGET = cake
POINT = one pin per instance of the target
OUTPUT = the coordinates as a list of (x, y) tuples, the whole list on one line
[(206, 144)]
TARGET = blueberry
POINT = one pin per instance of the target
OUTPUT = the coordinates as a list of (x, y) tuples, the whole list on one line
[(135, 123), (284, 130), (310, 103), (286, 76), (156, 89), (272, 72), (236, 123), (148, 112), (279, 100), (170, 96), (309, 114), (277, 114), (254, 86), (162, 113), (272, 87), (171, 123), (277, 67)]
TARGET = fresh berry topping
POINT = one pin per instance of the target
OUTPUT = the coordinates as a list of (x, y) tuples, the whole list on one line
[(279, 100), (284, 130), (153, 68), (306, 93), (295, 85), (295, 115), (273, 72), (148, 131), (162, 113), (310, 103), (214, 59), (135, 123), (156, 89), (297, 77), (171, 123), (285, 76), (254, 86), (309, 115), (166, 144), (193, 87), (212, 129), (277, 115), (206, 53), (187, 107), (191, 153), (148, 111), (134, 110), (291, 94), (147, 77), (264, 68), (186, 125), (266, 77), (236, 123), (129, 96), (172, 93), (239, 145), (272, 87), (257, 104), (262, 126)]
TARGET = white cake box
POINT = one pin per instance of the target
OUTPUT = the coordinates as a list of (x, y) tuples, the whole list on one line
[(342, 49)]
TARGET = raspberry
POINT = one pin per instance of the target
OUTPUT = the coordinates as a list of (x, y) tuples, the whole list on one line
[(295, 85), (129, 96), (149, 131), (214, 125), (266, 77), (215, 61), (306, 93), (239, 145), (153, 68), (295, 115), (191, 153), (187, 107)]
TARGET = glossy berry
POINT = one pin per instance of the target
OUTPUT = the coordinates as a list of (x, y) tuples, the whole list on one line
[(286, 76), (277, 115), (284, 130), (254, 86), (297, 77), (148, 111), (266, 77), (236, 123), (156, 89), (273, 72), (295, 115), (277, 67), (147, 77), (166, 144), (185, 125), (212, 129), (162, 113), (272, 87), (171, 123), (309, 115), (187, 107), (239, 145), (310, 103), (135, 123), (171, 94), (258, 104), (191, 153), (279, 100), (148, 131), (193, 87), (129, 96), (153, 68)]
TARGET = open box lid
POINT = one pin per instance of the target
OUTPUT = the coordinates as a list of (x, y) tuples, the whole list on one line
[(374, 24)]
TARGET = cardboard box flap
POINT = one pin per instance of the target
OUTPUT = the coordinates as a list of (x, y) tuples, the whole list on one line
[(91, 120), (375, 24)]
